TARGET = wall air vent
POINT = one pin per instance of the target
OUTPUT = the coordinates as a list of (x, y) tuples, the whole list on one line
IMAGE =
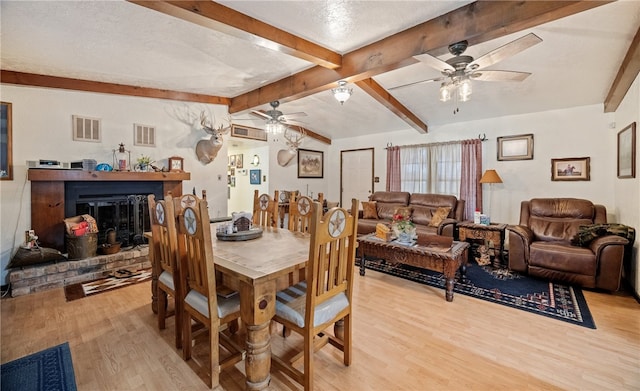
[(248, 132), (87, 129), (144, 135)]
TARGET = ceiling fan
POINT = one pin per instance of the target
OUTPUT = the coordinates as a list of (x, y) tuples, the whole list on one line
[(276, 120), (459, 70)]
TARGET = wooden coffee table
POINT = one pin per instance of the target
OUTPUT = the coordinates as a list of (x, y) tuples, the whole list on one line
[(445, 262)]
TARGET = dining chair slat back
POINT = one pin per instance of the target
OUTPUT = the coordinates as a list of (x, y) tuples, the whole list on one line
[(299, 213), (265, 210), (325, 298), (165, 251), (201, 303)]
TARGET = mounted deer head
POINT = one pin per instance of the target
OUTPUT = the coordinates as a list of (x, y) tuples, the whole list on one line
[(207, 149), (285, 156)]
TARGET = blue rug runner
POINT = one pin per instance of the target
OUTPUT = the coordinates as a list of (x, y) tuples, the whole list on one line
[(557, 301), (48, 370)]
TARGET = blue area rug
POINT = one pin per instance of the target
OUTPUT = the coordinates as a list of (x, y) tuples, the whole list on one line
[(557, 301), (48, 370)]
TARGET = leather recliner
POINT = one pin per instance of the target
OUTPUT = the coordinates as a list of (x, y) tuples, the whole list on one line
[(541, 244)]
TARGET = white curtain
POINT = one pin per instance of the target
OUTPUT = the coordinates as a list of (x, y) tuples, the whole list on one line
[(431, 168)]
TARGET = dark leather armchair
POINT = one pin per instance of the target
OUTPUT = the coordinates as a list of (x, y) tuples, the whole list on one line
[(541, 244)]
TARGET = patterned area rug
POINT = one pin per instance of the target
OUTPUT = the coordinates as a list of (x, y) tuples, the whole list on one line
[(49, 369), (119, 280), (557, 301)]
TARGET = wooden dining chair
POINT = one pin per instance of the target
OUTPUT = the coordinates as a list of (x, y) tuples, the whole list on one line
[(201, 303), (265, 210), (325, 297), (300, 213), (165, 242)]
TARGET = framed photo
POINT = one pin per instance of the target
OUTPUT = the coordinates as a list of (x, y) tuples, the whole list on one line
[(571, 169), (233, 171), (627, 152), (254, 177), (239, 161), (233, 181), (232, 160), (515, 147), (6, 154), (310, 163)]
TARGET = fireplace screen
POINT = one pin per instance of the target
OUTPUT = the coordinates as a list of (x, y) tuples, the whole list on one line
[(128, 215)]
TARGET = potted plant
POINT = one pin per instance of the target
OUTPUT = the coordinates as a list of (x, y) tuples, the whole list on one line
[(403, 228), (143, 163)]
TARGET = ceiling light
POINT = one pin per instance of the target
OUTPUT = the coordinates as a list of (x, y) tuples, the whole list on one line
[(458, 87), (342, 93), (274, 126)]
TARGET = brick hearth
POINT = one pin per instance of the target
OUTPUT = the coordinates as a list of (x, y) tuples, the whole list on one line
[(57, 275)]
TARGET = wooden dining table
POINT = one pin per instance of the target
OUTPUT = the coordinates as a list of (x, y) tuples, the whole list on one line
[(257, 269)]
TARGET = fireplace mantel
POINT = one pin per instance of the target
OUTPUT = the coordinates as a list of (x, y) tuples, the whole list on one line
[(48, 195)]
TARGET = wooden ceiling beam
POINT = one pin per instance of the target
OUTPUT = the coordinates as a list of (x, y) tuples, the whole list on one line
[(32, 79), (381, 95), (226, 20), (476, 22), (627, 73)]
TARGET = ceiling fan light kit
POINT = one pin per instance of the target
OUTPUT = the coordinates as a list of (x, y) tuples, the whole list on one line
[(458, 71), (277, 122), (342, 93)]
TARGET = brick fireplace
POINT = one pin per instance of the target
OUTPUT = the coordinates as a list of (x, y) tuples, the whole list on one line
[(117, 199)]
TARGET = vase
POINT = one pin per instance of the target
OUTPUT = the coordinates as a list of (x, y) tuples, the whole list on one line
[(405, 237)]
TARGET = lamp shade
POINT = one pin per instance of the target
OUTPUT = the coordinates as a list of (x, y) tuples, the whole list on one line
[(490, 176)]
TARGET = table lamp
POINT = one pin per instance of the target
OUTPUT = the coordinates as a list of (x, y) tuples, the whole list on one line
[(490, 177)]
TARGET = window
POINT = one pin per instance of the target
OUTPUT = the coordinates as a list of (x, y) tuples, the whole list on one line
[(431, 168)]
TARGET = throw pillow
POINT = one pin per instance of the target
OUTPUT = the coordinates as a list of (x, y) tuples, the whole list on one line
[(27, 257), (440, 214), (369, 210)]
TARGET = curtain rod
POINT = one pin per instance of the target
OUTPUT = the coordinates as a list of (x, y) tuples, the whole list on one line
[(481, 138)]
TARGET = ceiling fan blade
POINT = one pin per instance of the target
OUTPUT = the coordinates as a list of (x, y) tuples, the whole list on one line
[(434, 62), (499, 75), (504, 51), (260, 114), (293, 122), (416, 82), (293, 115)]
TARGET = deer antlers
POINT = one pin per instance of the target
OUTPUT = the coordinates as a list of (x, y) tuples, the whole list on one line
[(285, 156)]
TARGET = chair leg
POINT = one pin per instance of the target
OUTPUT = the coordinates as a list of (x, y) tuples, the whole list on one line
[(162, 308), (178, 323), (214, 357), (186, 334), (309, 349), (346, 338)]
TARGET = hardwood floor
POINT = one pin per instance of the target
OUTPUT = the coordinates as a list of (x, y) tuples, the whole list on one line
[(406, 337)]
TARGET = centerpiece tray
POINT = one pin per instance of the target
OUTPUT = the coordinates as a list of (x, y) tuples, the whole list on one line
[(253, 233)]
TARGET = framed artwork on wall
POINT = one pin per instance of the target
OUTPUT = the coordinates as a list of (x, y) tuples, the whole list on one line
[(254, 177), (571, 169), (515, 147), (239, 161), (310, 163), (6, 156), (627, 152)]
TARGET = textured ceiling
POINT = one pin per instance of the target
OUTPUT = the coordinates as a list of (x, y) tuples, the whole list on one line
[(120, 42)]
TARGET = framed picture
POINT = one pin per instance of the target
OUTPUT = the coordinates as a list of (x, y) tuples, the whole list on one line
[(239, 161), (627, 152), (233, 181), (232, 160), (254, 177), (570, 169), (233, 171), (310, 163), (515, 147), (6, 157)]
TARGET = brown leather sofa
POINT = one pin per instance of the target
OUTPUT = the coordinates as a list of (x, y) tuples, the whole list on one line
[(541, 244), (422, 207)]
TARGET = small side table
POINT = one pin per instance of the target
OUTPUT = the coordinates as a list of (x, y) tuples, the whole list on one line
[(494, 232)]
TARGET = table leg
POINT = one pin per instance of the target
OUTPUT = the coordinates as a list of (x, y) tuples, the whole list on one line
[(362, 265), (257, 307), (450, 267)]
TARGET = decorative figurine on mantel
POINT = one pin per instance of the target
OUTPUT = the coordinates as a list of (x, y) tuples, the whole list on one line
[(121, 158)]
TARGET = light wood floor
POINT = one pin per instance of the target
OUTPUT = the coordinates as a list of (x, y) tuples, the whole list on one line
[(406, 337)]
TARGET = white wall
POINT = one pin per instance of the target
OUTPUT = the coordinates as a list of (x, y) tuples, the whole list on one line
[(627, 191), (42, 130)]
